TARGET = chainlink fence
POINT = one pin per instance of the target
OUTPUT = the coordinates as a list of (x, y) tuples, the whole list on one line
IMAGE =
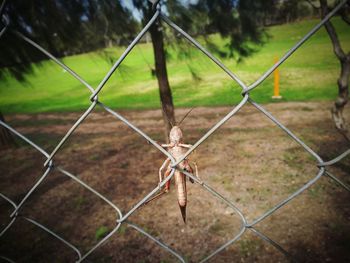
[(122, 218)]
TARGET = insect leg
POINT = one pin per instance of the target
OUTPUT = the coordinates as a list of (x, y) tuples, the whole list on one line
[(166, 163), (167, 145), (185, 145), (155, 197), (163, 191), (188, 168), (166, 174), (196, 167)]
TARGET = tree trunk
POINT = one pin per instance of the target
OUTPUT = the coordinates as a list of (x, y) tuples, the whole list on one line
[(342, 100), (343, 80), (6, 139), (162, 76)]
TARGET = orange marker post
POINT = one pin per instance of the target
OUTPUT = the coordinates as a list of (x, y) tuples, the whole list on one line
[(276, 83)]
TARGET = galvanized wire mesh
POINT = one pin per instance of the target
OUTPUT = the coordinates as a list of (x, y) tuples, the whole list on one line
[(122, 218)]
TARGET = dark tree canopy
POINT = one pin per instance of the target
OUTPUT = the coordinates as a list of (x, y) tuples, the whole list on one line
[(63, 28), (78, 26), (240, 21)]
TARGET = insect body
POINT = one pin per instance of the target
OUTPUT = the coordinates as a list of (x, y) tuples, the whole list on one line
[(177, 149)]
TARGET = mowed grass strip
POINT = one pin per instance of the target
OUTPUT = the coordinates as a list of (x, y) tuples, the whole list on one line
[(310, 74)]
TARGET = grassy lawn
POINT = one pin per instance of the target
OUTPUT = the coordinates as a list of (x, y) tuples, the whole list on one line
[(310, 74)]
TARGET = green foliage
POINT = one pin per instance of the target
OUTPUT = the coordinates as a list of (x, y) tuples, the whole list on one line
[(217, 228), (62, 28), (79, 202), (122, 230), (316, 191), (241, 22), (72, 27), (248, 247), (101, 232)]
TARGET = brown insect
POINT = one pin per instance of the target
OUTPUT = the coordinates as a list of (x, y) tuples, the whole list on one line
[(177, 149)]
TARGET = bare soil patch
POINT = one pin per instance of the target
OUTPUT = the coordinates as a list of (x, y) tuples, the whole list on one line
[(249, 160)]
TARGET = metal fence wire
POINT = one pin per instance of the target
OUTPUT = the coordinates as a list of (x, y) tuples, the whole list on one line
[(122, 218)]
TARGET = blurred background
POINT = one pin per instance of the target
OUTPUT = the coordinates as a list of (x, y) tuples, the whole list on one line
[(249, 160)]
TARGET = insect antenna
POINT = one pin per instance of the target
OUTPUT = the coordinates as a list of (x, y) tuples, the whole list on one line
[(185, 116), (166, 116)]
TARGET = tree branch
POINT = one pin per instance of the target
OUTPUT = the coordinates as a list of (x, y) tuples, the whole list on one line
[(2, 7), (338, 51), (346, 19), (344, 16), (313, 5)]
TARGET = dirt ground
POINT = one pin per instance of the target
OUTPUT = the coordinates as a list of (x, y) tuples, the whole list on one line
[(249, 160)]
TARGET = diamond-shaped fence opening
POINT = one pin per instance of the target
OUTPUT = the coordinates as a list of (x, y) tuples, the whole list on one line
[(256, 172), (123, 218), (32, 231)]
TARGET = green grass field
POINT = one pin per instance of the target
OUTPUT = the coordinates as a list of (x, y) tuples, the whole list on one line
[(310, 74)]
